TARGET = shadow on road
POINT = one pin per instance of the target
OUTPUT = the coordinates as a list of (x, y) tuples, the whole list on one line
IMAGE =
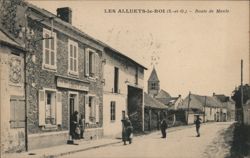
[(240, 145)]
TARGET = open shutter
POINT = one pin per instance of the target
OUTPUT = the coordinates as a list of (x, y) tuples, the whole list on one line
[(59, 108), (97, 110), (93, 107), (41, 108), (96, 65), (92, 62), (87, 62), (86, 98)]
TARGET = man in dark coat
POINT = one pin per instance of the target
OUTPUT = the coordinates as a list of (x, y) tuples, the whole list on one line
[(73, 125), (197, 124), (164, 127)]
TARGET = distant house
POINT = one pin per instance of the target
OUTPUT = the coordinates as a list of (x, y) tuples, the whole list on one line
[(154, 112), (209, 108), (172, 103), (228, 103), (165, 98)]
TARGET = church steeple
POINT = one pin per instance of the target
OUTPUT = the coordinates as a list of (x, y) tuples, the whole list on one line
[(153, 84)]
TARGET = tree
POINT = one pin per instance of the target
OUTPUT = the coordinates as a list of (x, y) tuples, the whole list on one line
[(237, 95)]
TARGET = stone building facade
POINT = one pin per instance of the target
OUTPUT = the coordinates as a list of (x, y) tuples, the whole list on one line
[(64, 73), (12, 95), (123, 92)]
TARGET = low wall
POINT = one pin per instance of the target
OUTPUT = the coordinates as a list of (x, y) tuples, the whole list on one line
[(49, 139)]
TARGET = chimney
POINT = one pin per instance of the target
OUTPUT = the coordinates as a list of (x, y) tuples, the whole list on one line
[(179, 96), (213, 94), (65, 14)]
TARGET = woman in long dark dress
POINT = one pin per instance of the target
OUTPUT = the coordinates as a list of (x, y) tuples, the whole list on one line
[(73, 125), (127, 131)]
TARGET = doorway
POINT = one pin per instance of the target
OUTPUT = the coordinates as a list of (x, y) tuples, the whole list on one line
[(135, 108), (73, 106)]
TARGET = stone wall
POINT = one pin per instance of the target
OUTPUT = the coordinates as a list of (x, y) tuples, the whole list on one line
[(40, 78), (11, 86)]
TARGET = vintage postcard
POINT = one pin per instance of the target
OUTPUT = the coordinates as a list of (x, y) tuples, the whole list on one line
[(124, 79)]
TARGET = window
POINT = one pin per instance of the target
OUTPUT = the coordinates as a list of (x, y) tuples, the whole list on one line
[(91, 109), (112, 111), (136, 76), (50, 108), (49, 49), (17, 112), (73, 57), (91, 63), (116, 80), (153, 86)]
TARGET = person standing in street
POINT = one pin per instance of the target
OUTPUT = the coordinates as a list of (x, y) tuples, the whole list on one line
[(197, 125), (127, 131), (73, 125), (164, 127)]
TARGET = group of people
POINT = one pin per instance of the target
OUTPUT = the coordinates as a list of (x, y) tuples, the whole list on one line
[(164, 126), (77, 126)]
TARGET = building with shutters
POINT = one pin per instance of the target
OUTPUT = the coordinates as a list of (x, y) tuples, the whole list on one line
[(122, 92), (12, 95), (64, 75)]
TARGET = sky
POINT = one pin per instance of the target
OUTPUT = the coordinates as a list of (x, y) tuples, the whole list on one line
[(197, 52)]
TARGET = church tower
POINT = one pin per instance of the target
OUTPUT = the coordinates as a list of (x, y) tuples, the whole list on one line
[(153, 84)]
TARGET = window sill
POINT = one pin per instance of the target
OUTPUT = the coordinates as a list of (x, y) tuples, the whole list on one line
[(72, 73), (49, 67), (49, 127), (91, 78)]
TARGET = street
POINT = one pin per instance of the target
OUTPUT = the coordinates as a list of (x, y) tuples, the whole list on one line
[(213, 143)]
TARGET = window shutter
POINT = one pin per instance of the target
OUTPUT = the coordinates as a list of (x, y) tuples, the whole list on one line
[(86, 99), (41, 108), (59, 108), (93, 63), (97, 109), (96, 65), (93, 107), (87, 62)]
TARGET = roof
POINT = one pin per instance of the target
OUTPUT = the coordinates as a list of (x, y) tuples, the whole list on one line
[(222, 97), (150, 102), (198, 102), (5, 39), (163, 94), (153, 76), (121, 54), (81, 33)]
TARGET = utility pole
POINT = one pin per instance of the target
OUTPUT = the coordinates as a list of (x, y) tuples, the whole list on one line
[(189, 99), (241, 93), (204, 115)]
